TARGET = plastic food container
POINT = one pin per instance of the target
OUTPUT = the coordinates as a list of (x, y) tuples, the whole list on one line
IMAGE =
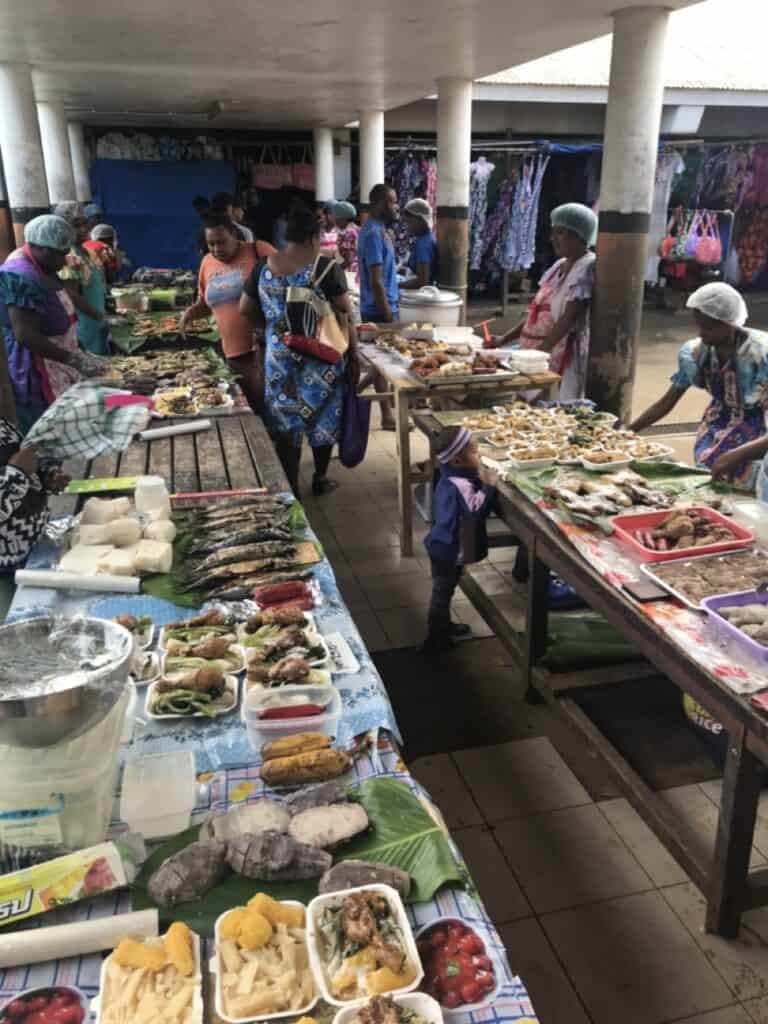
[(217, 969), (159, 793), (604, 467), (498, 971), (151, 496), (727, 630), (752, 514), (197, 978), (420, 1003), (317, 961), (626, 526), (262, 730), (49, 990)]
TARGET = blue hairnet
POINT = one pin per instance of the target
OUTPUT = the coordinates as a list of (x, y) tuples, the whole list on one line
[(69, 211), (343, 210), (576, 218), (50, 232)]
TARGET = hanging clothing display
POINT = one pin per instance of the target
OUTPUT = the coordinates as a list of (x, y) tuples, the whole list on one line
[(411, 177), (497, 220), (479, 173), (668, 165), (517, 246)]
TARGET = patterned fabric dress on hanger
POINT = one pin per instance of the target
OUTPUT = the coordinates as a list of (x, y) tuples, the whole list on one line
[(479, 174)]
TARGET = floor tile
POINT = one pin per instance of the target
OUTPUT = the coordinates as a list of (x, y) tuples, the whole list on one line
[(631, 960), (660, 865), (376, 562), (728, 1015), (757, 1010), (404, 627), (353, 594), (365, 536), (397, 591), (514, 779), (440, 777), (713, 790), (463, 611), (496, 883), (374, 637), (700, 814), (532, 958), (742, 963), (569, 857)]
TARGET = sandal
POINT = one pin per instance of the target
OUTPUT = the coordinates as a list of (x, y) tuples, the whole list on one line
[(322, 485)]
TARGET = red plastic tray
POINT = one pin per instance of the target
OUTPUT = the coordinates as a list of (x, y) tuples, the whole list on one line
[(626, 526)]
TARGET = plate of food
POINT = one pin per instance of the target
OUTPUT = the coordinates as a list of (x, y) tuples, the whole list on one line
[(218, 651), (461, 972), (200, 693), (141, 626), (287, 671), (261, 962), (172, 402), (271, 643), (691, 580), (680, 533), (414, 1008), (361, 945), (205, 626), (534, 457), (605, 460)]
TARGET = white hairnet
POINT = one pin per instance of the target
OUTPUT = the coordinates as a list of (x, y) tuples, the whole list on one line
[(720, 302)]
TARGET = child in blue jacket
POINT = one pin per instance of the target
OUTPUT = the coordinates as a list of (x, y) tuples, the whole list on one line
[(463, 500)]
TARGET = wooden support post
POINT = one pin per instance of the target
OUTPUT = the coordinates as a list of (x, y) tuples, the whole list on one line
[(537, 619), (402, 427), (742, 780)]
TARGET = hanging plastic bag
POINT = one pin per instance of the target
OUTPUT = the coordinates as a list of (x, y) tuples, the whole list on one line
[(709, 248), (677, 251), (355, 424), (270, 174), (667, 244), (693, 237), (303, 174)]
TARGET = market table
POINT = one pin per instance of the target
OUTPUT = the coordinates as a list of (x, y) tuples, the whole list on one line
[(409, 391), (237, 453), (675, 642)]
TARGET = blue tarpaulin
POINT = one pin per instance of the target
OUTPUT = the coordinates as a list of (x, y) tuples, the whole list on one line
[(149, 203)]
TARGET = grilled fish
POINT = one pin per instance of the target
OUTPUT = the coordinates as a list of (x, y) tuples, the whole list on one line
[(219, 541), (226, 555), (235, 569)]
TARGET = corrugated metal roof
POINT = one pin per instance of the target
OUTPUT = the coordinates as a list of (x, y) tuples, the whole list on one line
[(717, 45)]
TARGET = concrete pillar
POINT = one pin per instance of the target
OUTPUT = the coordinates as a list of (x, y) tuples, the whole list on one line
[(371, 152), (20, 147), (56, 155), (454, 141), (632, 123), (342, 164), (7, 240), (80, 162), (323, 153)]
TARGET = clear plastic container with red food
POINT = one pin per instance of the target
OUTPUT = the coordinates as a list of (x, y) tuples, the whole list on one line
[(54, 1004), (460, 971)]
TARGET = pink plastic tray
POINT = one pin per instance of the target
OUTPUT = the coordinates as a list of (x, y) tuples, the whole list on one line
[(726, 629), (626, 526)]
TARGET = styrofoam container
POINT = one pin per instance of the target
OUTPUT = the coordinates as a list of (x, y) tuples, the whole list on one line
[(262, 730), (217, 969), (236, 648), (498, 970), (315, 908), (604, 467), (29, 993), (729, 631), (197, 979), (525, 464), (163, 638), (159, 793), (230, 689), (424, 1006), (154, 668)]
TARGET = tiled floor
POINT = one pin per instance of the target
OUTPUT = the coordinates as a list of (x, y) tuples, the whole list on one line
[(598, 919)]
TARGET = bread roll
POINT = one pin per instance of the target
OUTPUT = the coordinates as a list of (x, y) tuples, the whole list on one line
[(153, 556)]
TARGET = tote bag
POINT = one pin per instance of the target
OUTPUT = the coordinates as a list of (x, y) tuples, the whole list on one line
[(314, 328), (709, 248), (355, 425)]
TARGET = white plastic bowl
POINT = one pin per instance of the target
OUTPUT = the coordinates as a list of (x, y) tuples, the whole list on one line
[(419, 1003), (42, 989), (498, 971)]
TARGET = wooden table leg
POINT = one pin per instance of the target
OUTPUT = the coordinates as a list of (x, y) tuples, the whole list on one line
[(742, 779), (537, 619), (405, 498)]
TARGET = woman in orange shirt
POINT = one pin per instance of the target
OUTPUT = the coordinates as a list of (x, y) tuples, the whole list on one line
[(223, 271)]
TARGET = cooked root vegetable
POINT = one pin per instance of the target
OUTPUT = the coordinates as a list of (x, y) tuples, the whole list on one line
[(188, 874), (313, 766), (328, 826), (299, 743)]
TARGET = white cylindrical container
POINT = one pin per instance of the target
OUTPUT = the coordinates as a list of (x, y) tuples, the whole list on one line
[(152, 496), (430, 305)]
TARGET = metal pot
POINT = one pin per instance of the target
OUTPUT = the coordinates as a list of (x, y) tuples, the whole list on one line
[(92, 657), (430, 305)]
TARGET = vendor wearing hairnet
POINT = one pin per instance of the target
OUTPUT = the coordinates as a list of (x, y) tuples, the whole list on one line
[(422, 262), (557, 320), (103, 242), (731, 363)]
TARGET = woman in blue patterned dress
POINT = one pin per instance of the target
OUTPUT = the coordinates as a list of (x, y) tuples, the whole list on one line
[(302, 395)]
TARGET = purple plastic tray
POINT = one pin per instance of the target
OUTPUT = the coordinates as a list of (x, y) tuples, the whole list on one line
[(726, 629)]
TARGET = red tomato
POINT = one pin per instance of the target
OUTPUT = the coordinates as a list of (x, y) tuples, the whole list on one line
[(38, 1017), (471, 992), (472, 944), (455, 932), (18, 1008), (437, 938), (71, 1013), (485, 979), (37, 1003), (451, 1000), (483, 963)]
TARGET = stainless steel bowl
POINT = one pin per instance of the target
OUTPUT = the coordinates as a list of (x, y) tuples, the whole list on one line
[(92, 658)]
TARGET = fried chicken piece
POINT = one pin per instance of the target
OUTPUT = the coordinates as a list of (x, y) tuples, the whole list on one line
[(388, 955), (213, 647), (380, 1010), (202, 680), (292, 637), (289, 670), (357, 920)]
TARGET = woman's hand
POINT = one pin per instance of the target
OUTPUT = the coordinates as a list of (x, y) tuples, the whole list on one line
[(88, 365), (56, 480), (726, 465)]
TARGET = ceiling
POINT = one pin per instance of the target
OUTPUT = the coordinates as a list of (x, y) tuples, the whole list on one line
[(289, 63)]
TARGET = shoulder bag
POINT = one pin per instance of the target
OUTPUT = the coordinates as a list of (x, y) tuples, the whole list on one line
[(313, 326)]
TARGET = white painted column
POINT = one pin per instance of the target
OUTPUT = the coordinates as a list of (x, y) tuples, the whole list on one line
[(323, 153), (371, 151), (632, 124), (20, 147), (56, 154), (80, 163), (454, 143), (342, 164)]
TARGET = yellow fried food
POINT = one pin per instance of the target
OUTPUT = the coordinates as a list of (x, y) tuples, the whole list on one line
[(255, 930), (277, 912), (315, 766), (178, 948), (299, 743), (230, 925), (386, 980), (131, 953), (306, 1020)]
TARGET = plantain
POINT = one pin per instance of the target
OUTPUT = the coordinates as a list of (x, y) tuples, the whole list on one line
[(311, 766), (299, 743)]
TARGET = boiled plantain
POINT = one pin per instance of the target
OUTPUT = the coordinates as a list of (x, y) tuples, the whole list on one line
[(299, 743), (311, 766)]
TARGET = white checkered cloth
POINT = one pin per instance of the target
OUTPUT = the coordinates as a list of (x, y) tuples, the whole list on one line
[(78, 425)]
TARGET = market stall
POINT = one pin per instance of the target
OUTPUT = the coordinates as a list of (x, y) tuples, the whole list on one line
[(594, 528), (237, 781), (412, 385)]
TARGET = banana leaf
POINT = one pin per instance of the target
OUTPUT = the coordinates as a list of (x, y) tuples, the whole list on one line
[(402, 834)]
